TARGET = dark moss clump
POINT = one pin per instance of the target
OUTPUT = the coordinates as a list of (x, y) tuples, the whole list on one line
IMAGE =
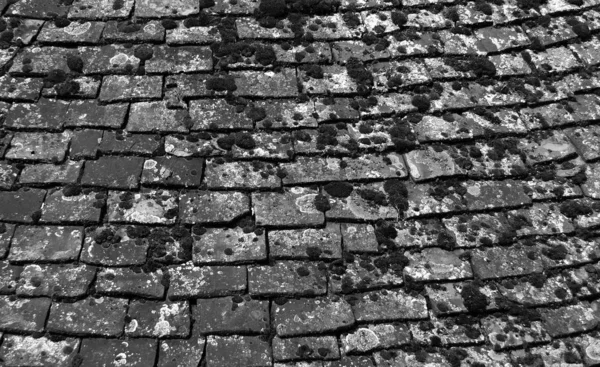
[(479, 65), (339, 189), (221, 84), (232, 52), (421, 102), (55, 76), (198, 230), (281, 173), (579, 178), (202, 20), (75, 63), (385, 233), (374, 196), (128, 27), (573, 209), (245, 141), (395, 81), (226, 142), (313, 252), (303, 271), (530, 4), (403, 137), (322, 203), (265, 55), (192, 22), (397, 194), (357, 71), (537, 280), (304, 351), (571, 357), (67, 88), (474, 300), (273, 8), (118, 4), (484, 7), (256, 113), (394, 262), (61, 22), (302, 136), (36, 216), (143, 52), (6, 36), (314, 7), (452, 14), (227, 30), (371, 39), (71, 190), (399, 18), (455, 356), (106, 236), (352, 20), (502, 148), (446, 241), (314, 71), (208, 4), (581, 29), (556, 253), (168, 24), (326, 136), (138, 231)]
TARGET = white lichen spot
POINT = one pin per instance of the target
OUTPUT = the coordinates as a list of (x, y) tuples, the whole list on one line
[(150, 28), (163, 327), (121, 59), (305, 204), (362, 340), (297, 190), (132, 326), (474, 190), (332, 164), (120, 359), (593, 351), (150, 164), (75, 29), (164, 346)]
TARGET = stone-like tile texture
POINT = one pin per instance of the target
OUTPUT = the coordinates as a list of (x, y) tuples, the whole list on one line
[(308, 183)]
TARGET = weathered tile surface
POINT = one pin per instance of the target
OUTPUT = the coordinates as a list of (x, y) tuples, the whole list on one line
[(231, 315), (46, 243), (55, 280), (311, 315), (135, 352), (158, 319), (188, 281), (20, 350), (66, 173), (90, 316), (327, 183)]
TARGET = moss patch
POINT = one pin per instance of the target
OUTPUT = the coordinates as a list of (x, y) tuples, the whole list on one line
[(421, 102), (339, 189), (221, 84), (75, 63), (474, 300)]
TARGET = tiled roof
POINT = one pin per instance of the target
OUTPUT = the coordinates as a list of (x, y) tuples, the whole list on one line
[(309, 183)]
